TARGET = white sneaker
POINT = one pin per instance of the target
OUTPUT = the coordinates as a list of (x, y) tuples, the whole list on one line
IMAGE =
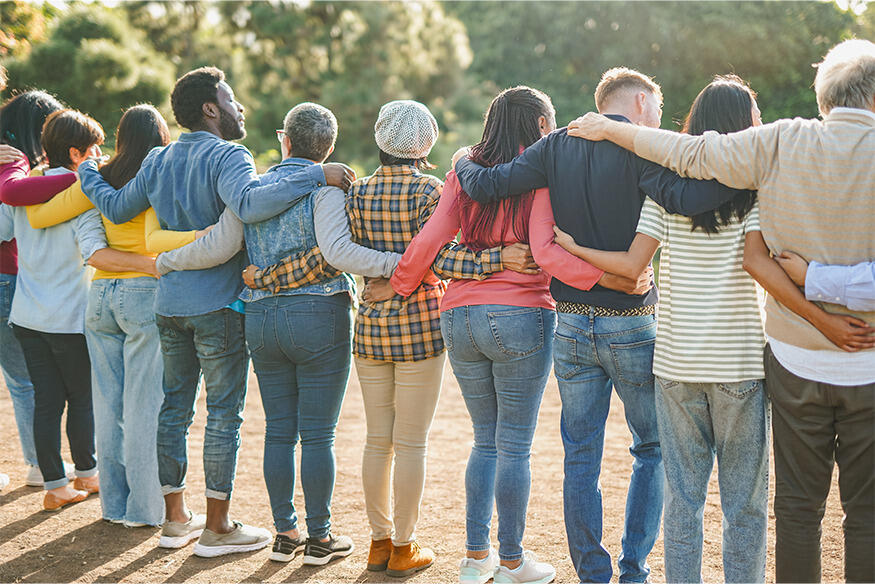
[(478, 571), (35, 477), (177, 534), (133, 524), (530, 571), (4, 480)]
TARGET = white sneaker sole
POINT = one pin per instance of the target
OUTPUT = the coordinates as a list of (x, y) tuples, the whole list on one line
[(544, 580), (314, 561), (281, 557), (212, 551), (474, 576), (179, 541)]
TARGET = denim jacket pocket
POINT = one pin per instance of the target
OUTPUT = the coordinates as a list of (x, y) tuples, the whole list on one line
[(517, 332), (634, 362), (741, 389)]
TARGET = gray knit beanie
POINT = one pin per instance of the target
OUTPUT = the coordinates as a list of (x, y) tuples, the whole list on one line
[(405, 129)]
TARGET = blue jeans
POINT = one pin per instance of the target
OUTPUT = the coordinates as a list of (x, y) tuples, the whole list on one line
[(126, 373), (501, 356), (591, 354), (301, 350), (211, 344), (695, 421), (15, 373)]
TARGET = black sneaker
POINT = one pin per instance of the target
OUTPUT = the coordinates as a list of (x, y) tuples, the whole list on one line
[(319, 553), (285, 548)]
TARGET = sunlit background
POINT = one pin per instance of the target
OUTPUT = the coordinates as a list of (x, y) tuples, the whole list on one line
[(453, 56)]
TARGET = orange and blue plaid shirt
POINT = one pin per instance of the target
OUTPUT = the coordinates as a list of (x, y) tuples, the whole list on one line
[(385, 211)]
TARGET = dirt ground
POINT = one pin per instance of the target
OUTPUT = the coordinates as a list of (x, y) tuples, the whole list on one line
[(76, 545)]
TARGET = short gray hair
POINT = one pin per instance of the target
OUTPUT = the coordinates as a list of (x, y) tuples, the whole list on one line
[(846, 77), (312, 130)]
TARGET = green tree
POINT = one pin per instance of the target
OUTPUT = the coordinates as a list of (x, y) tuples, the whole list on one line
[(95, 61), (563, 47)]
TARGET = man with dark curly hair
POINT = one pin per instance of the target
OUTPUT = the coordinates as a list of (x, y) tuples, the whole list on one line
[(189, 183)]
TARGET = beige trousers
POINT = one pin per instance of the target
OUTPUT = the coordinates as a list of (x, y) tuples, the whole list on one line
[(400, 400)]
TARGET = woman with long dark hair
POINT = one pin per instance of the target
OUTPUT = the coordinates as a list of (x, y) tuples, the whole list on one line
[(126, 364), (501, 353), (21, 122), (707, 358)]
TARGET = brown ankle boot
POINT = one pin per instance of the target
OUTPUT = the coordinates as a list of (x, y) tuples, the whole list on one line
[(378, 556), (408, 559)]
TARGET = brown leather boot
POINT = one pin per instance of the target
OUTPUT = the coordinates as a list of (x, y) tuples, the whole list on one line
[(378, 556), (408, 559), (87, 484)]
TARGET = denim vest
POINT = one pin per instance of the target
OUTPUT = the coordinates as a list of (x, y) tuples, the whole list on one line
[(288, 233)]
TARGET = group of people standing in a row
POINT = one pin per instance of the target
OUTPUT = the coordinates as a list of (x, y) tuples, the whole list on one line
[(551, 269)]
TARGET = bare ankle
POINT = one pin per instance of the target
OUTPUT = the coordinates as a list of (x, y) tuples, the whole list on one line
[(511, 564), (476, 555), (294, 533)]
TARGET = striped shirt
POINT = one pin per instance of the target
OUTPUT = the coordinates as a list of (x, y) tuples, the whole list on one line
[(385, 211), (709, 328)]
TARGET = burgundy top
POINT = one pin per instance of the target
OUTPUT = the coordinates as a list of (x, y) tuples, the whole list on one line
[(18, 189)]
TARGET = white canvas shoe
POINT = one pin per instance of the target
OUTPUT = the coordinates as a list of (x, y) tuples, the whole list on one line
[(473, 571)]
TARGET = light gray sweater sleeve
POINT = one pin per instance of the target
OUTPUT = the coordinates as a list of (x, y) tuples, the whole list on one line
[(215, 248), (335, 240)]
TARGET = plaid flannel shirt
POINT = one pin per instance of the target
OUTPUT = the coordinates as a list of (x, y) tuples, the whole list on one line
[(295, 271), (385, 211)]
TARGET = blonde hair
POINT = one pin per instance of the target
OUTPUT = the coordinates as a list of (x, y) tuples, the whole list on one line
[(846, 77), (621, 79)]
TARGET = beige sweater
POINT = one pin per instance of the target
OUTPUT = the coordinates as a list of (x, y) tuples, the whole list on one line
[(816, 183)]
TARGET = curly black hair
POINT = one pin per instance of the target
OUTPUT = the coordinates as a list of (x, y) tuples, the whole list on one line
[(191, 92)]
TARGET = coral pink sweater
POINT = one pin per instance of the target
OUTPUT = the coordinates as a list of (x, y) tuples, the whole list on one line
[(506, 287)]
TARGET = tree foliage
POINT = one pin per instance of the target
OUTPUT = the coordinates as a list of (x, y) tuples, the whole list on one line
[(354, 56)]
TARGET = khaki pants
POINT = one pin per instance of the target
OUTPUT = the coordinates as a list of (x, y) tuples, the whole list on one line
[(400, 400)]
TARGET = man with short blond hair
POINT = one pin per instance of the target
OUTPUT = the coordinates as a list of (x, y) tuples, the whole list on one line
[(816, 183), (604, 337)]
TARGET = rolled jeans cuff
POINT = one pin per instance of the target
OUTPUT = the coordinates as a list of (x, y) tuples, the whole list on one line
[(55, 484), (84, 474), (169, 489), (212, 494)]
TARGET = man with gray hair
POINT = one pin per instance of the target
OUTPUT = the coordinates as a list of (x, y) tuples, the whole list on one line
[(816, 183)]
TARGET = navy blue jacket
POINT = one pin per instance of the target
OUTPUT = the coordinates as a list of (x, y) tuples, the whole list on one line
[(597, 190)]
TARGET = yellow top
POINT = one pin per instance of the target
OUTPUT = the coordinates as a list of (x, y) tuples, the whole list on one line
[(130, 236), (160, 240)]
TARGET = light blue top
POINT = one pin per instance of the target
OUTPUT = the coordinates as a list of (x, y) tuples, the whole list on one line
[(51, 288), (851, 286), (189, 183), (290, 232)]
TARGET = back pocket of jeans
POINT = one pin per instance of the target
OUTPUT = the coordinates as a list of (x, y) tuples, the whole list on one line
[(517, 332), (634, 362), (740, 389), (312, 331)]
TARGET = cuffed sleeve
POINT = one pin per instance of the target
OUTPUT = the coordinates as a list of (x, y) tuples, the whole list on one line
[(851, 286), (89, 233)]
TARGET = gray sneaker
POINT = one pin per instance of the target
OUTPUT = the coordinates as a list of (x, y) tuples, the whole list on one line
[(175, 534), (244, 538)]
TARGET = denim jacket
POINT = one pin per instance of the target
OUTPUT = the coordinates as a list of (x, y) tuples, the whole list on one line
[(189, 183), (288, 233)]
